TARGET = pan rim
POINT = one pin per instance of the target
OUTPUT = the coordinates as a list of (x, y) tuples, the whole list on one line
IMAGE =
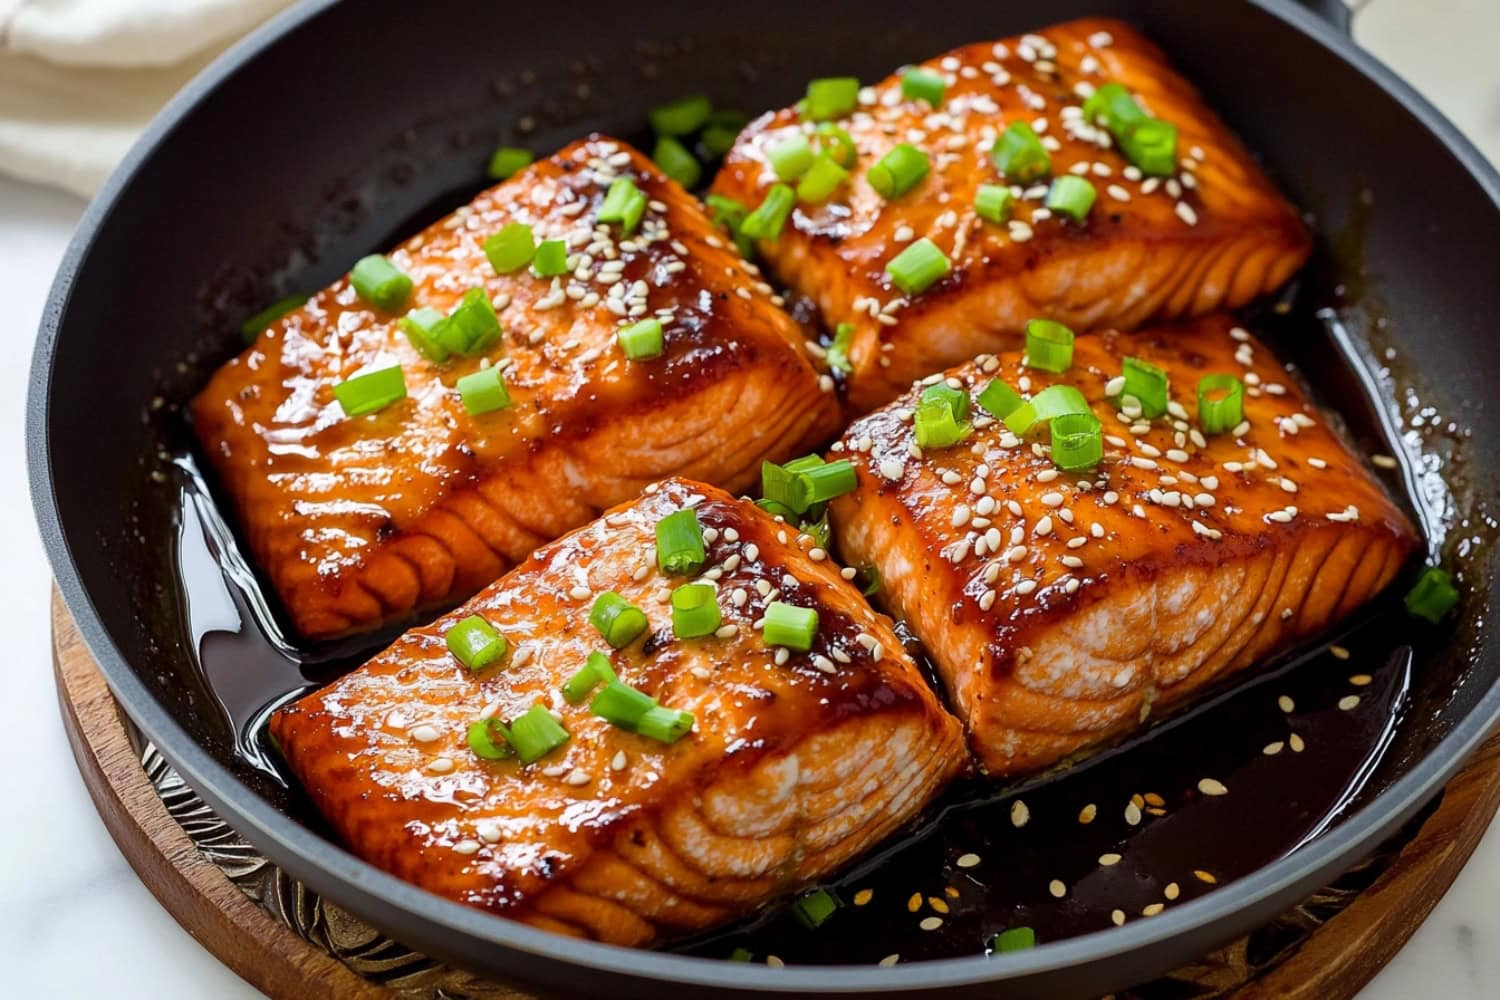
[(271, 830)]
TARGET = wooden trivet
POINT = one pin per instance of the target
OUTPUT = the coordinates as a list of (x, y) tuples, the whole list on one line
[(280, 937)]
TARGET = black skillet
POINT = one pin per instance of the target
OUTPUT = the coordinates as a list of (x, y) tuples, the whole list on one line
[(339, 127)]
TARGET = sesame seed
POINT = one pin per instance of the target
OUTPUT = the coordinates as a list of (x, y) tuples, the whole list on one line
[(1212, 786), (440, 765), (425, 733), (1025, 587), (1172, 891), (466, 847), (889, 961), (1020, 813), (487, 831), (1109, 860), (1348, 702), (1286, 704), (1153, 909), (1272, 749), (1118, 918), (931, 923), (1296, 743), (1087, 813), (938, 903), (1057, 888), (577, 777), (1132, 814)]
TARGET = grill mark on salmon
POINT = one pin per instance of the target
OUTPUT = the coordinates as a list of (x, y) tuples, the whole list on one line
[(1049, 648), (790, 772), (1135, 260), (359, 522)]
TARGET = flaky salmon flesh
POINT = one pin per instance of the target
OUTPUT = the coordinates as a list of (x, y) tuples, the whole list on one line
[(361, 521), (1063, 610), (797, 761), (1213, 236)]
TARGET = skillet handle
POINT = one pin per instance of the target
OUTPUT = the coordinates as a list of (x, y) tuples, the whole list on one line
[(1335, 12)]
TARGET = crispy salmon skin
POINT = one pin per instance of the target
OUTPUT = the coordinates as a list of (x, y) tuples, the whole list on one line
[(364, 520), (1061, 609), (797, 760), (1215, 234)]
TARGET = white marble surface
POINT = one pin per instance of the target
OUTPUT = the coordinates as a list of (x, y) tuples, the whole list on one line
[(74, 920)]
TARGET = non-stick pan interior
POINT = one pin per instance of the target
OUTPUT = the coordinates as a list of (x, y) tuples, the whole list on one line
[(372, 118)]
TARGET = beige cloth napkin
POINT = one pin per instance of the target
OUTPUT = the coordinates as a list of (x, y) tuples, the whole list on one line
[(79, 79)]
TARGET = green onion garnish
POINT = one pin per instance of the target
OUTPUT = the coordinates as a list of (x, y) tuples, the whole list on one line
[(507, 161), (999, 400), (472, 325), (914, 269), (252, 327), (804, 463), (1148, 385), (624, 203), (784, 487), (551, 259), (870, 574), (371, 391), (956, 399), (790, 626), (821, 180), (836, 141), (617, 619), (936, 426), (722, 129), (1019, 155), (790, 157), (831, 97), (812, 908), (837, 355), (1015, 939), (679, 543), (992, 202), (511, 248), (730, 213), (490, 739), (379, 282), (641, 340), (1072, 196), (676, 162), (595, 671), (1221, 403), (695, 611), (682, 116), (475, 642), (1052, 402), (828, 480), (536, 734), (1112, 106), (621, 705), (898, 171), (1152, 146), (918, 84), (1077, 442), (483, 391), (423, 327), (741, 955), (766, 221), (1049, 345), (665, 725), (819, 530), (1433, 595)]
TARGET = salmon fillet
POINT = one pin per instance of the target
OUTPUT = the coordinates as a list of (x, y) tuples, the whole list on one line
[(362, 521), (1215, 236), (798, 760), (1062, 610)]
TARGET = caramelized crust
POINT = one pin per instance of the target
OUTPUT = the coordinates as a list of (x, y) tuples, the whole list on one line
[(365, 520), (1063, 609), (792, 769), (1215, 236)]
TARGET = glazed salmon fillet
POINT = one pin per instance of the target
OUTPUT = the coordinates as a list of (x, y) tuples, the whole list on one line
[(1063, 610), (359, 521), (1214, 234), (796, 761)]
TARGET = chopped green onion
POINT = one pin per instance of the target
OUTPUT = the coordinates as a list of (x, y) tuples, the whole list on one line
[(623, 203), (483, 391), (766, 221), (1147, 384), (819, 530), (511, 248), (831, 97), (1073, 196), (1112, 106), (551, 259), (1019, 155), (1152, 146), (536, 733), (252, 327), (665, 725), (1433, 596), (489, 738), (898, 171), (821, 180), (741, 955), (914, 269), (837, 354), (676, 162), (1050, 403), (777, 509), (1049, 346), (475, 642), (1077, 442), (730, 213), (837, 143), (423, 327), (507, 161), (371, 391), (804, 463), (682, 116), (790, 157), (813, 908), (999, 400), (1221, 403), (870, 574), (379, 282), (783, 486), (1015, 939), (936, 426), (621, 705), (918, 84), (956, 399), (992, 202), (617, 619), (722, 129), (641, 340), (595, 671), (679, 543), (472, 325), (828, 480), (790, 626)]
